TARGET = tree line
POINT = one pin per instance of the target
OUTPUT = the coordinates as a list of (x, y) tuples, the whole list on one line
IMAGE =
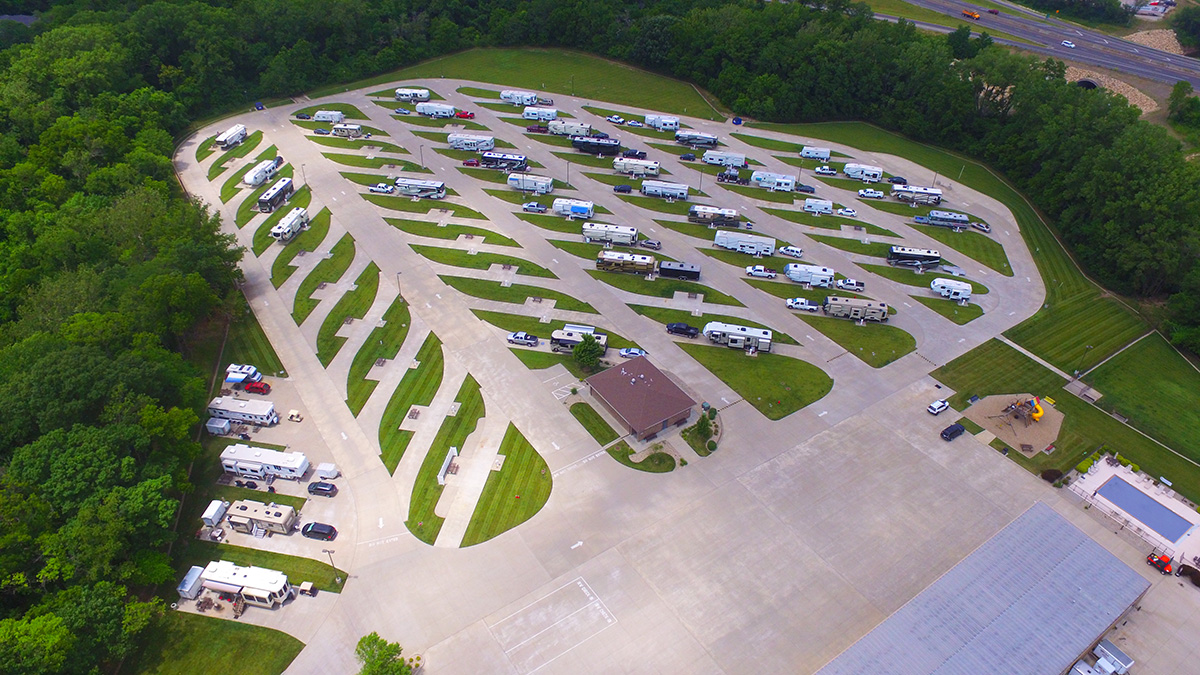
[(107, 272)]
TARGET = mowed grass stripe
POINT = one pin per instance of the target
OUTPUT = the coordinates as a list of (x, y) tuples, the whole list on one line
[(775, 385), (424, 228), (327, 271), (512, 495), (516, 294), (418, 387), (384, 342), (481, 260), (352, 304)]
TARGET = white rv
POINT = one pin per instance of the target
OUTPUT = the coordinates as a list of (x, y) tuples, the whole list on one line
[(435, 109), (776, 182), (334, 116), (951, 288), (917, 194), (733, 159), (403, 94), (291, 224), (695, 138), (262, 172), (471, 142), (517, 97), (347, 130), (863, 172), (738, 337), (635, 167), (527, 182), (256, 585), (624, 235), (231, 137), (711, 215), (662, 122), (811, 152), (251, 462), (541, 114), (813, 275), (856, 309), (242, 373), (569, 128), (426, 189), (574, 208), (619, 261), (752, 244), (657, 188), (242, 410), (818, 205)]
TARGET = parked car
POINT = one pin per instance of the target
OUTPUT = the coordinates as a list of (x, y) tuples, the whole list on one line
[(257, 388), (993, 11), (938, 407), (533, 207), (322, 489), (634, 123), (1162, 563), (321, 132), (982, 227), (825, 170), (382, 188), (599, 134), (898, 180), (404, 111), (537, 129), (952, 432), (688, 157), (303, 116), (791, 251), (652, 244), (683, 329), (850, 285), (632, 353), (623, 189), (259, 106), (849, 213), (634, 154), (807, 189), (1068, 44), (760, 271), (464, 115), (615, 119), (470, 162), (868, 193), (802, 304), (319, 531), (523, 338)]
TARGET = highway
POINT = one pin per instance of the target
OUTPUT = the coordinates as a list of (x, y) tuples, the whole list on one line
[(1091, 47)]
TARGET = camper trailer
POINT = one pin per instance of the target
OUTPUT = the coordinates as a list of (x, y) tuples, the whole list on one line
[(617, 261), (471, 142), (574, 208), (951, 219), (596, 146), (347, 130), (657, 188), (435, 109), (541, 114), (738, 337), (812, 275), (602, 233), (777, 182), (425, 189), (565, 340), (503, 161), (695, 139), (261, 413), (251, 517), (863, 172), (952, 289), (262, 172), (231, 137), (752, 244), (818, 206), (662, 122), (917, 195), (332, 116), (251, 462), (857, 309), (679, 270), (812, 152), (255, 585), (732, 159), (713, 216), (414, 95), (635, 167), (517, 97), (527, 182), (290, 225), (569, 128), (276, 195)]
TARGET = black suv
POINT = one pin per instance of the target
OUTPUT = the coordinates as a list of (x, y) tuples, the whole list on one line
[(634, 154), (683, 329), (898, 180), (952, 432), (688, 156), (322, 488), (319, 531)]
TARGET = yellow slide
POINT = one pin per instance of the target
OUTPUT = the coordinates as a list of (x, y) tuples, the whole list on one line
[(1037, 410)]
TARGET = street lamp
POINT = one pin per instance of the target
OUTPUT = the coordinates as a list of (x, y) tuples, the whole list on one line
[(329, 552), (304, 173), (422, 151), (701, 189), (568, 172)]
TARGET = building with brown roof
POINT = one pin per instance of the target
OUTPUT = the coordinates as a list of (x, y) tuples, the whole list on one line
[(642, 397)]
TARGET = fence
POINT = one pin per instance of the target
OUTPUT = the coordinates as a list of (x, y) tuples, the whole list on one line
[(1126, 524)]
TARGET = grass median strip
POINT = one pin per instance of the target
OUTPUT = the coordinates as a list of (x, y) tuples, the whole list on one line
[(480, 261), (422, 521), (307, 241), (313, 125), (384, 342), (976, 246), (593, 423), (248, 209), (592, 251), (775, 385), (233, 184), (422, 205), (657, 462), (904, 275), (679, 208), (478, 92), (665, 315), (516, 294), (364, 144), (762, 193), (174, 642), (535, 360), (875, 344), (375, 162), (512, 495), (662, 287), (418, 387), (959, 314), (534, 326), (350, 111), (240, 150), (327, 271), (875, 249), (200, 552), (205, 148), (424, 228), (352, 304), (440, 122)]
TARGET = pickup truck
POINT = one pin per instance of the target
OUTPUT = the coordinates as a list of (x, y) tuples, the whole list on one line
[(464, 115), (921, 220), (760, 271), (803, 304), (825, 171), (871, 194), (537, 129), (850, 285), (382, 188)]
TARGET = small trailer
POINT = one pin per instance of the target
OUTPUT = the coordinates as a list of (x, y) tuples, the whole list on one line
[(863, 172), (813, 275), (952, 289), (818, 206), (813, 152), (732, 159), (568, 128), (713, 216), (738, 337), (776, 182), (679, 270), (602, 233), (662, 122), (257, 412), (231, 137), (635, 167), (414, 95), (658, 188), (435, 109), (528, 182), (751, 244), (541, 114), (333, 116), (574, 208), (618, 261), (472, 142), (856, 309), (347, 130), (518, 97)]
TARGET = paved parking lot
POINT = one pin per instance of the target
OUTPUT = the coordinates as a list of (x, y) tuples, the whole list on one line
[(772, 555)]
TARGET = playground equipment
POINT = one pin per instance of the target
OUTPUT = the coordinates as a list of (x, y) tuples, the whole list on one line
[(1037, 413), (1027, 411)]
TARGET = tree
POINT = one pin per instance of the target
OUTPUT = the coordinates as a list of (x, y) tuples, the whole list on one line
[(704, 428), (587, 353), (1186, 22), (380, 657)]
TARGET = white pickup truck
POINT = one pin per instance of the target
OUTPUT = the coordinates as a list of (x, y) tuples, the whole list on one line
[(851, 285), (825, 171), (871, 194), (760, 271)]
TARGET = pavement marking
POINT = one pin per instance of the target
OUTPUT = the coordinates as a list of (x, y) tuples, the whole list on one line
[(906, 304), (572, 465), (810, 337), (962, 339), (1011, 313), (555, 260), (725, 400), (562, 392), (382, 540), (554, 444), (823, 413), (1028, 279), (345, 437), (381, 522), (536, 635), (576, 545)]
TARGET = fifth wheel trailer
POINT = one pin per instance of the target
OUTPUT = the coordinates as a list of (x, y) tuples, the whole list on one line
[(951, 288), (696, 139), (713, 216), (254, 462), (574, 208), (435, 109), (604, 233), (858, 309), (662, 122), (231, 136), (618, 261), (568, 128), (527, 182), (504, 161), (517, 97), (335, 116), (752, 244), (818, 205), (917, 194), (733, 159), (471, 142), (813, 275), (635, 167), (262, 172), (777, 182), (738, 337), (658, 188), (543, 114), (255, 411), (403, 94), (812, 152), (863, 172)]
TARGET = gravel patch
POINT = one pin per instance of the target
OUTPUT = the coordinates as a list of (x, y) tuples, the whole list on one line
[(1162, 38), (1134, 96)]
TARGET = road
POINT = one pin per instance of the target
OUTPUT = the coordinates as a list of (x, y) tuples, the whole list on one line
[(1091, 47)]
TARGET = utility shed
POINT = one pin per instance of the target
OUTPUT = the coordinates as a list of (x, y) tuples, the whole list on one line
[(642, 397), (1030, 600)]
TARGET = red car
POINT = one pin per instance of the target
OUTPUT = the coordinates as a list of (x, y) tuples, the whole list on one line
[(470, 162), (1160, 563), (258, 388), (464, 115), (537, 129)]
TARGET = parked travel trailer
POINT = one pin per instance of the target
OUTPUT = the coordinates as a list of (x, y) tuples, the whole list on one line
[(596, 146), (857, 309), (863, 172), (214, 513), (635, 167), (568, 128), (777, 182), (255, 585), (471, 142), (426, 189), (241, 373), (713, 216), (435, 109), (504, 161), (715, 157), (738, 337), (253, 517), (517, 97), (262, 172), (602, 233), (813, 152), (259, 412), (415, 95), (679, 270), (528, 182), (752, 244), (334, 116), (290, 225), (818, 205), (543, 114), (618, 261), (917, 195), (276, 195), (951, 219), (813, 275), (657, 188), (695, 138), (565, 340), (913, 257), (347, 130), (231, 137), (662, 122), (251, 462), (574, 208), (952, 289)]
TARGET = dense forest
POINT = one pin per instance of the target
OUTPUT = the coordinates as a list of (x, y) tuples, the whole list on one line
[(106, 270)]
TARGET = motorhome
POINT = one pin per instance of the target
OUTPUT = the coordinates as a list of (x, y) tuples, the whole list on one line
[(262, 172), (713, 216), (333, 116), (857, 309), (818, 205), (565, 340), (435, 109), (952, 289), (777, 182), (813, 152), (679, 270), (256, 411), (290, 225), (254, 585), (734, 159), (917, 195), (695, 138), (414, 95), (603, 233), (504, 161), (635, 167), (517, 97), (913, 257), (231, 137), (738, 337), (751, 244), (863, 172), (471, 142), (657, 188), (527, 182), (618, 261), (276, 195), (574, 208), (347, 130), (596, 146), (662, 122), (568, 128), (542, 114), (251, 462), (812, 275), (951, 219), (425, 189)]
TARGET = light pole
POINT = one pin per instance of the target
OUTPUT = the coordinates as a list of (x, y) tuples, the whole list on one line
[(422, 151), (701, 188), (329, 552), (568, 172), (304, 173)]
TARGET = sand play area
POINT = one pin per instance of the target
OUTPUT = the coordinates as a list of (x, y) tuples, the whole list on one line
[(1026, 436)]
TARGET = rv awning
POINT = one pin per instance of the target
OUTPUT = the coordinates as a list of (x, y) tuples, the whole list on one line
[(235, 377), (221, 587)]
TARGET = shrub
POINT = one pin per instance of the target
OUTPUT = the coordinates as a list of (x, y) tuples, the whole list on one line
[(704, 428), (682, 462), (712, 413), (1051, 475), (712, 445), (1122, 460), (1135, 467), (1086, 464)]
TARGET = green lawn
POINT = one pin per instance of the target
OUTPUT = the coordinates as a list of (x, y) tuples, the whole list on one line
[(364, 178), (828, 222), (351, 112), (533, 325), (375, 162), (439, 122), (489, 175), (517, 293), (662, 287), (877, 249), (383, 343), (690, 229), (876, 344), (610, 178), (248, 209), (191, 551), (592, 251), (551, 139), (775, 385), (512, 495), (240, 150), (500, 106), (312, 124), (478, 92), (422, 205), (541, 360), (679, 208), (787, 289), (768, 143), (1157, 389), (424, 228), (742, 260), (658, 462), (205, 148), (905, 275), (481, 260), (673, 149), (329, 270), (974, 245), (417, 387), (1077, 332), (422, 521), (441, 137), (179, 642), (957, 313), (909, 210), (665, 315), (349, 144), (308, 240), (353, 303), (233, 184), (585, 160), (762, 193), (247, 343), (554, 223), (593, 423), (996, 368)]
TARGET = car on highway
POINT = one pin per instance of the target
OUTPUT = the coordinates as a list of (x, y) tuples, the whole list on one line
[(982, 227), (322, 489), (850, 284), (319, 531), (470, 162), (615, 119), (849, 213), (688, 157), (632, 352), (791, 251), (993, 11), (652, 244), (1162, 563), (1068, 44), (464, 115), (634, 123), (802, 304), (807, 189), (258, 388), (952, 432), (898, 180), (303, 116), (634, 154), (938, 407), (683, 329), (321, 132), (533, 207), (825, 171), (382, 188), (523, 338), (623, 189), (404, 111)]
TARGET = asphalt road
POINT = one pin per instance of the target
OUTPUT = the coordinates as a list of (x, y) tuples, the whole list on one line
[(1091, 47)]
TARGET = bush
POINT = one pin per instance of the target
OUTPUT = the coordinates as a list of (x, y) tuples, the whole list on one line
[(704, 428), (1051, 475), (712, 445), (1086, 464), (712, 413), (1123, 461)]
